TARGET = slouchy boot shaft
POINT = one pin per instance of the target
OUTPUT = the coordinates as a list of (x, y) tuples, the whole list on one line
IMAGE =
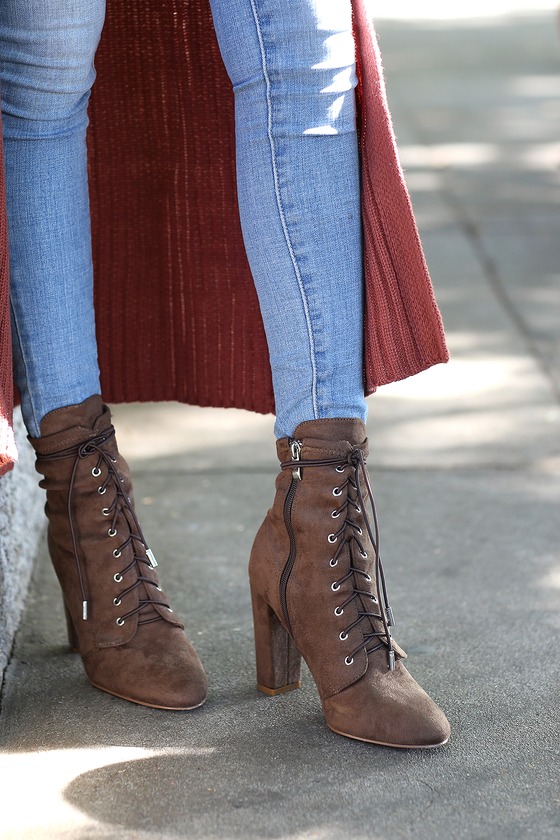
[(119, 618)]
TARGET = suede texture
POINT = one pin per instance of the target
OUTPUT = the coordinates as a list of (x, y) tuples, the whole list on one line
[(388, 708), (146, 657), (362, 698)]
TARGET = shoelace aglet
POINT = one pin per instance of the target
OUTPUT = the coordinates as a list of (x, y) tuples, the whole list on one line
[(84, 610), (391, 660), (390, 617), (151, 557)]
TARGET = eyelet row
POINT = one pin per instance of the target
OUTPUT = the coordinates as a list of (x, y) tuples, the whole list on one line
[(332, 538), (343, 636), (112, 532)]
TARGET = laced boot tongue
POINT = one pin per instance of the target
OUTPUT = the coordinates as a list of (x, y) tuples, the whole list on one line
[(342, 444), (139, 557)]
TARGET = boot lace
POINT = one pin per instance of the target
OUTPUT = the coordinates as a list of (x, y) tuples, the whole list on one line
[(349, 537), (120, 512)]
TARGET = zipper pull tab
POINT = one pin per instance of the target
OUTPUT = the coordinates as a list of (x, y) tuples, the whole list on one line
[(295, 449)]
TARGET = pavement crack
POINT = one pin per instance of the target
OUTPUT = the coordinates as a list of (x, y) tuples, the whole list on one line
[(496, 283)]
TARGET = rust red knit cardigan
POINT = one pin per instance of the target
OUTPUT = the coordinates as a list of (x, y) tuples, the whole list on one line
[(177, 313)]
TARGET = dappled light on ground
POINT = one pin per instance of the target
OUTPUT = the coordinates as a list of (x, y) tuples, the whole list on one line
[(48, 773)]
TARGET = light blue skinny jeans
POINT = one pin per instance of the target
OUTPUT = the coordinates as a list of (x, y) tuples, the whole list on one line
[(292, 68)]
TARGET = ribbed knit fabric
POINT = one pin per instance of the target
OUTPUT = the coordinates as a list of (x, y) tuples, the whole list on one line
[(175, 302), (177, 313), (404, 332)]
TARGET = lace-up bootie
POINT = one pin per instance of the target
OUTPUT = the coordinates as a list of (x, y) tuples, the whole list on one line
[(119, 620), (318, 591)]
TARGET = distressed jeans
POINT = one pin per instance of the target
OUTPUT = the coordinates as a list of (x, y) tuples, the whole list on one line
[(292, 68)]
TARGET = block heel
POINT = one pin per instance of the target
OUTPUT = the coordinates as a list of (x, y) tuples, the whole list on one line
[(278, 660)]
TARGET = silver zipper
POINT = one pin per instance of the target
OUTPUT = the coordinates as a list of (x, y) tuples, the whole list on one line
[(295, 449)]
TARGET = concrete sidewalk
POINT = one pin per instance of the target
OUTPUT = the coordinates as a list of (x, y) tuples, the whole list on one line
[(466, 466)]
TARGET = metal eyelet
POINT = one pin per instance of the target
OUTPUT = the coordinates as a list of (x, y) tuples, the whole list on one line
[(343, 636), (114, 460), (364, 554), (105, 511), (340, 468), (169, 609), (358, 509), (348, 660), (117, 552), (333, 562), (117, 577), (117, 602), (335, 514), (112, 532), (120, 622), (337, 491), (101, 490), (359, 532), (338, 611), (159, 589), (332, 538), (96, 472), (368, 578), (335, 586)]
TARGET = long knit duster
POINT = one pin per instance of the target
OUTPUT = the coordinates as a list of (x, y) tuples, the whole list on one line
[(177, 313)]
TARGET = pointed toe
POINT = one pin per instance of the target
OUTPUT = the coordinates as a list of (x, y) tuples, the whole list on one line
[(388, 708)]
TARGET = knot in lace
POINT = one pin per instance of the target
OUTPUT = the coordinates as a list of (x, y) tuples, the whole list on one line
[(120, 512)]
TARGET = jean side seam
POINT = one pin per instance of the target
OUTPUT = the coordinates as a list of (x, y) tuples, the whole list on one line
[(36, 430), (281, 213)]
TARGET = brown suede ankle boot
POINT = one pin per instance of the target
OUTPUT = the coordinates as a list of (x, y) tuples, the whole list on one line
[(119, 620), (318, 591)]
